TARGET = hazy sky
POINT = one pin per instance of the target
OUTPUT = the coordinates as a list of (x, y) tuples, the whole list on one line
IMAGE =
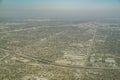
[(60, 7)]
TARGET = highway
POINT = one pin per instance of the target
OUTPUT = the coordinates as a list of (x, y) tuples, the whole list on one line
[(47, 62)]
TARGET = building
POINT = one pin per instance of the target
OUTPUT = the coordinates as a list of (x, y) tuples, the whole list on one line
[(110, 62)]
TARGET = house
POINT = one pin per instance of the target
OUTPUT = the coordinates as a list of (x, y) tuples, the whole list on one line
[(110, 62)]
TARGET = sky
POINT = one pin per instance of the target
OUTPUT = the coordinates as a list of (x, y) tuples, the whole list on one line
[(88, 8)]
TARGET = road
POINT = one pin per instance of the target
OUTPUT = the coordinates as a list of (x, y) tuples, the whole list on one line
[(47, 62), (4, 57), (90, 47)]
